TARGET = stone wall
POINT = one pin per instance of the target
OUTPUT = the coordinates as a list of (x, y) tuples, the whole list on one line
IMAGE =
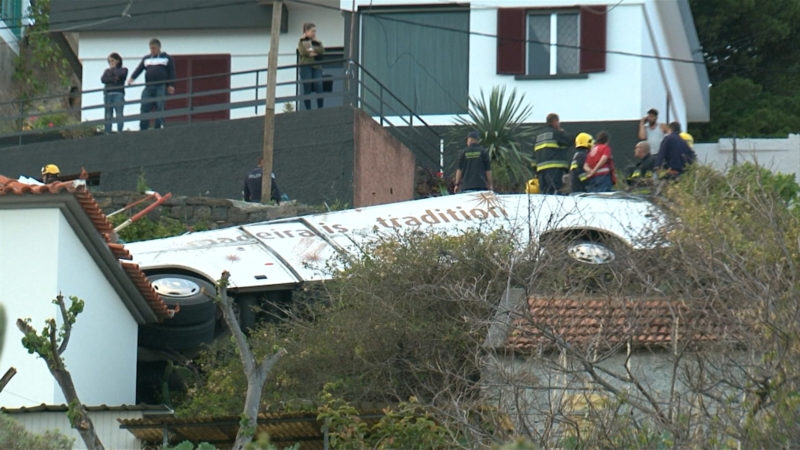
[(205, 211)]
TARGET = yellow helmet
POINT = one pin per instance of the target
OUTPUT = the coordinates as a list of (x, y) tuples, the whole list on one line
[(51, 169), (688, 138), (584, 140)]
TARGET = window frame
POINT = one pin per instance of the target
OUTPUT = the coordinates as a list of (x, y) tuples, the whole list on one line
[(553, 47)]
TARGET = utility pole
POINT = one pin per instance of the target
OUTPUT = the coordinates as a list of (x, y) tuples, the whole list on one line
[(269, 112)]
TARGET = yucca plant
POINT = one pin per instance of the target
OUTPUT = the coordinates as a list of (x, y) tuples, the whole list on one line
[(499, 119)]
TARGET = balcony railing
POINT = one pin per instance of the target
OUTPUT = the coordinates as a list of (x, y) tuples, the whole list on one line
[(352, 85)]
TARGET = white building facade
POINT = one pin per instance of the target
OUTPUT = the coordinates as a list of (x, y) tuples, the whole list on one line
[(51, 246), (594, 61)]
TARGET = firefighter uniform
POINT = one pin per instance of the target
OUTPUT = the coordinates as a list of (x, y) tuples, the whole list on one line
[(551, 153), (577, 176)]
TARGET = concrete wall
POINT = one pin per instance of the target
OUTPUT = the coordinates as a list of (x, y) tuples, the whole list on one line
[(377, 152), (248, 49), (313, 157), (778, 154), (205, 212), (45, 257), (105, 423)]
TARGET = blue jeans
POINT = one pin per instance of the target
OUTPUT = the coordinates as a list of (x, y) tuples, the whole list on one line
[(600, 183), (311, 73), (153, 100), (115, 102)]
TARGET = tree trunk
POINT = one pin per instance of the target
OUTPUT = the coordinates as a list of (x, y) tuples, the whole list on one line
[(78, 416), (252, 401)]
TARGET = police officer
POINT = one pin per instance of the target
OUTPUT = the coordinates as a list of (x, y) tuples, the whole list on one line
[(577, 175), (551, 155)]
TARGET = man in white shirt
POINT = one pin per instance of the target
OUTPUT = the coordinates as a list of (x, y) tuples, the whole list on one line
[(650, 130)]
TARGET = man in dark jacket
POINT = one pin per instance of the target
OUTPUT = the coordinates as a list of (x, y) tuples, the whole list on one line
[(674, 154), (641, 174), (551, 153), (252, 186), (474, 171), (159, 74)]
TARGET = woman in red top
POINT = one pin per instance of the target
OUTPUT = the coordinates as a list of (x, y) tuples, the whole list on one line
[(599, 166)]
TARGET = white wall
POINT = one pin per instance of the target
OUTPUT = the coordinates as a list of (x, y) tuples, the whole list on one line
[(42, 257), (28, 274), (248, 49), (625, 91), (777, 154), (102, 351), (609, 95)]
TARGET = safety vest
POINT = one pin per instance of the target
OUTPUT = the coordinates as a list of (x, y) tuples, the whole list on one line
[(550, 150)]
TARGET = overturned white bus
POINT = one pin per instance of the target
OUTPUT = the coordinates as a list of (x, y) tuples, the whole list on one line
[(270, 259)]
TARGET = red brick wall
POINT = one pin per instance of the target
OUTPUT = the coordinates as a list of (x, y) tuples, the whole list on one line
[(383, 169)]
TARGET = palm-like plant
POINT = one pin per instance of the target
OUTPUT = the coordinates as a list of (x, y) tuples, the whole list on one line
[(499, 120)]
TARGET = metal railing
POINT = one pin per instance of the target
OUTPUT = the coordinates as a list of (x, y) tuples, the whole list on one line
[(355, 86)]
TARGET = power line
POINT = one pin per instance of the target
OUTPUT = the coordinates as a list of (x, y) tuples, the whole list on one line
[(528, 41)]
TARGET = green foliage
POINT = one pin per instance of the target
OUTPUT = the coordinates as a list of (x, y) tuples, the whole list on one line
[(141, 182), (407, 426), (14, 436), (40, 56), (39, 343), (499, 119), (754, 79), (146, 228)]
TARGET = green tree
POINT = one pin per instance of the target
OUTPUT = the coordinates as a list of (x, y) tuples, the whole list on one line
[(754, 79), (50, 344), (500, 119), (14, 436)]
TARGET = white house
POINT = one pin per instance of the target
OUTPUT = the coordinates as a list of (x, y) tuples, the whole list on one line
[(597, 61), (591, 61), (54, 239), (204, 36)]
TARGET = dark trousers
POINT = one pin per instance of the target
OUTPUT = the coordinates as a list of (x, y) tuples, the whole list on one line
[(551, 180), (315, 85), (153, 100), (114, 102)]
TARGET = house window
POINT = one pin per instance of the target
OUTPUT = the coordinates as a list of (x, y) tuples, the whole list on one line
[(546, 43), (420, 56), (553, 43)]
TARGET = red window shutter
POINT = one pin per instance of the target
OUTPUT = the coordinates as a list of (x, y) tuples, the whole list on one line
[(593, 39), (511, 41)]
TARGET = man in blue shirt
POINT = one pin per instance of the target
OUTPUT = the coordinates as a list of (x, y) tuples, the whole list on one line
[(159, 74), (674, 154)]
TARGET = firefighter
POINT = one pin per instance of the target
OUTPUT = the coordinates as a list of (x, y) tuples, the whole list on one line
[(551, 155), (577, 175), (688, 139), (50, 173)]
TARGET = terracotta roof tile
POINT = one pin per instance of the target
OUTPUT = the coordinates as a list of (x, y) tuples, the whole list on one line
[(604, 323), (10, 186)]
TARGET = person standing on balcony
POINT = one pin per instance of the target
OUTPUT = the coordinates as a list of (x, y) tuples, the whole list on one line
[(310, 52), (114, 91), (159, 74)]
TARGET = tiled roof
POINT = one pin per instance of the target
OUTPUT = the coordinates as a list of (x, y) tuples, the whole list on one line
[(283, 428), (43, 407), (604, 323), (10, 186)]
